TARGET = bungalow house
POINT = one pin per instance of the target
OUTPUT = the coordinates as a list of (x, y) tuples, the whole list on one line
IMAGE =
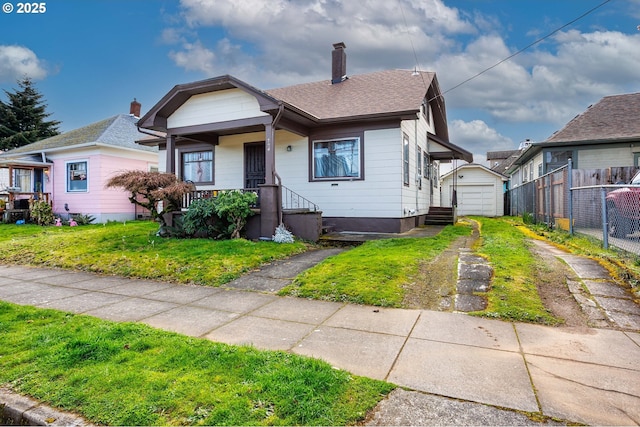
[(606, 135), (69, 170), (364, 149)]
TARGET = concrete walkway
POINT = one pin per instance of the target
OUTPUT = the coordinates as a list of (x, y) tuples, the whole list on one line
[(589, 376)]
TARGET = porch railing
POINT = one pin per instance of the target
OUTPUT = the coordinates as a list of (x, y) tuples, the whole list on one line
[(188, 198), (290, 199), (20, 200)]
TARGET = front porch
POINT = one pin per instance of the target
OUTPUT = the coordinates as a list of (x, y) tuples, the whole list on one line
[(299, 215), (16, 204)]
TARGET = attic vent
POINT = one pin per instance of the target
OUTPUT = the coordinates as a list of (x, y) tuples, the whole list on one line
[(338, 63)]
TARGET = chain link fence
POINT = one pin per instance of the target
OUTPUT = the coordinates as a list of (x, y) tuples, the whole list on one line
[(608, 212)]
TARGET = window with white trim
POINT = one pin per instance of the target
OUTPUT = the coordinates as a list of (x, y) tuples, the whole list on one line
[(22, 179), (405, 159), (419, 168), (197, 166), (336, 159), (77, 177)]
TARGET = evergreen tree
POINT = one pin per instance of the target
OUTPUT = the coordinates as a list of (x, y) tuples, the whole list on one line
[(22, 118)]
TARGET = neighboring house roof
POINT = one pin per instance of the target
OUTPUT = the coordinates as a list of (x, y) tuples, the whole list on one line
[(118, 131), (501, 161), (612, 118)]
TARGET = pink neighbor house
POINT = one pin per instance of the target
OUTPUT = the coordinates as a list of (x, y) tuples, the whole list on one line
[(70, 170)]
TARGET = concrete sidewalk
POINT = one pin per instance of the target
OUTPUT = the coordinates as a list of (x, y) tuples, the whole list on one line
[(589, 376)]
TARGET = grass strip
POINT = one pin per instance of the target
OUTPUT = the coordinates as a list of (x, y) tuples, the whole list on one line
[(132, 374), (132, 249), (623, 265), (373, 273), (513, 295)]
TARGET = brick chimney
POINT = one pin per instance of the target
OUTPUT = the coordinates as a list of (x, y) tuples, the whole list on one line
[(134, 110), (338, 63)]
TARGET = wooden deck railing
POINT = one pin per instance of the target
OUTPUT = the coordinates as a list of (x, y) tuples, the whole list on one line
[(20, 200)]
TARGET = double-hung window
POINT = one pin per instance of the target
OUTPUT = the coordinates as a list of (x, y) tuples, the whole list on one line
[(22, 179), (337, 159), (405, 159), (77, 177), (197, 166)]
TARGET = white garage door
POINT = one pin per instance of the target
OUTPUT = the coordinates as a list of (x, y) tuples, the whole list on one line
[(477, 200)]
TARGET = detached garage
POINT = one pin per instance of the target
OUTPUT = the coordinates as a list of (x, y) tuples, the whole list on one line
[(479, 190)]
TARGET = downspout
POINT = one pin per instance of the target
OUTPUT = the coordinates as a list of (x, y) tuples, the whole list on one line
[(418, 173)]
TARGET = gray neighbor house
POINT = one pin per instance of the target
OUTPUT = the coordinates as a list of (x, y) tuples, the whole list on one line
[(606, 135), (352, 153)]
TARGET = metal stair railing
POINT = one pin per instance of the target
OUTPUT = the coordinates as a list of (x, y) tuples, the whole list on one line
[(292, 200)]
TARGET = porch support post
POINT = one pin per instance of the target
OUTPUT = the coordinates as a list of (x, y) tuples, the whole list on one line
[(270, 205), (269, 154), (171, 154)]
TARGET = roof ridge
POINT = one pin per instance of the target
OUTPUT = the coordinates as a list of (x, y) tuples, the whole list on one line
[(113, 120)]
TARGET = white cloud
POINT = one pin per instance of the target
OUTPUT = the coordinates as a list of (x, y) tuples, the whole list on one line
[(541, 86), (195, 57), (17, 62), (476, 136), (271, 43), (291, 41)]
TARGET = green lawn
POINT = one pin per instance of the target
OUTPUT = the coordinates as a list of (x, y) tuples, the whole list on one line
[(513, 294), (128, 374), (132, 249), (131, 374), (373, 273)]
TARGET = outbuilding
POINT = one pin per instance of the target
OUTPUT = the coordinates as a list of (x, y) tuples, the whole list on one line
[(475, 190)]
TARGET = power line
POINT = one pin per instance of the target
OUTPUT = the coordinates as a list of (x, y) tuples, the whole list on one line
[(521, 50)]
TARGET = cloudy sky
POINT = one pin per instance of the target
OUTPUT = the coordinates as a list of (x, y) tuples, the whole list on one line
[(91, 58)]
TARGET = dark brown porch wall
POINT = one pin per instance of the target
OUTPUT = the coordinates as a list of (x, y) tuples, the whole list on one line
[(373, 225)]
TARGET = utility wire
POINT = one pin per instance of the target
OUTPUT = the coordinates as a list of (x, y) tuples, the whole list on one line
[(519, 51)]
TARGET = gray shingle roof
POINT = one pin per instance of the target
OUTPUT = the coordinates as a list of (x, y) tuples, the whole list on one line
[(613, 117), (375, 93), (118, 131)]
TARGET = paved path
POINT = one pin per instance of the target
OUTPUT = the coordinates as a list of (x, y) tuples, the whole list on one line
[(589, 376)]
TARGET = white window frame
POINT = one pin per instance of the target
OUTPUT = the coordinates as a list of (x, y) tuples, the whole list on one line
[(406, 174), (67, 173), (183, 164), (16, 180)]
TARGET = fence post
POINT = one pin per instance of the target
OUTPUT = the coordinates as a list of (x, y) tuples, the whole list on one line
[(570, 184), (605, 221)]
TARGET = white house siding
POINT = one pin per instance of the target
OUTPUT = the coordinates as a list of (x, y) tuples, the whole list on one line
[(4, 178), (614, 156), (377, 195), (221, 106), (416, 197)]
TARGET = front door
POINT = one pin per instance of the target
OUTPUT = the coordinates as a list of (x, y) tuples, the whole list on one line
[(254, 164)]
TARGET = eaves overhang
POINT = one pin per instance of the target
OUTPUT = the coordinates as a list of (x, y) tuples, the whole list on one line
[(156, 117), (454, 152)]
